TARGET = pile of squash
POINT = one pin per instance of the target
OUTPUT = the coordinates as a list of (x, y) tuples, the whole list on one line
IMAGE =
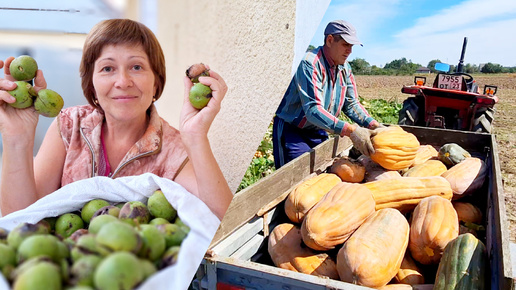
[(384, 221)]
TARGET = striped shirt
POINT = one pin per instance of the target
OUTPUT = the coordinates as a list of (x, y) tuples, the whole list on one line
[(319, 92)]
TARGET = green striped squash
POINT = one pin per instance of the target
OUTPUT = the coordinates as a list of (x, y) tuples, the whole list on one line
[(463, 264)]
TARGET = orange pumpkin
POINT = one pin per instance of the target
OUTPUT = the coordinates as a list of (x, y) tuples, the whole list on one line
[(304, 196), (348, 170), (341, 211), (395, 149), (373, 254), (466, 177), (404, 193), (434, 223), (287, 251)]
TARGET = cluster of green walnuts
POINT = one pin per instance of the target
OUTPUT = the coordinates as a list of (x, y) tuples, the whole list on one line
[(46, 102)]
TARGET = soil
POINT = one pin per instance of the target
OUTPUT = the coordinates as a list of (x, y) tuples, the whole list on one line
[(389, 88)]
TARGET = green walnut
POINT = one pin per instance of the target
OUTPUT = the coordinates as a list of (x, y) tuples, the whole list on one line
[(24, 230), (48, 103), (119, 270), (134, 213), (91, 207), (200, 95), (8, 255), (174, 234), (23, 93), (23, 68), (67, 224), (43, 275), (159, 206), (39, 245)]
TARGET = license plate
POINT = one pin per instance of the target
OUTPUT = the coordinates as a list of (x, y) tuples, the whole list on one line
[(451, 82)]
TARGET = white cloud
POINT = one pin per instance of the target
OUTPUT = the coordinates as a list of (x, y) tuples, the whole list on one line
[(468, 14)]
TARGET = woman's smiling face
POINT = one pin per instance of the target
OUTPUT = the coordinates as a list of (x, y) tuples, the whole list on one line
[(124, 81)]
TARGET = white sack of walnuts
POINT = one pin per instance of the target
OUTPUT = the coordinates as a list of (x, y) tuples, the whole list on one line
[(192, 211)]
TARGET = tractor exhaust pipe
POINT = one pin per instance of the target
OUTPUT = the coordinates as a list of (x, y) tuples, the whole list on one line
[(460, 67)]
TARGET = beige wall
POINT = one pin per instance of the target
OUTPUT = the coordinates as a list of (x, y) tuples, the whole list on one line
[(251, 45)]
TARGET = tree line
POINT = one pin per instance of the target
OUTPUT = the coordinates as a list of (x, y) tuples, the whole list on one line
[(406, 67)]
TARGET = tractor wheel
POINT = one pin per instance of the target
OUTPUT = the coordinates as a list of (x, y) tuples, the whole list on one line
[(409, 113), (483, 119)]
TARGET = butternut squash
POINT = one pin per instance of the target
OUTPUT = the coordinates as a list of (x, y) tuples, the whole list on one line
[(409, 272), (428, 168), (304, 196), (467, 212), (341, 211), (425, 153), (373, 254), (374, 171), (395, 149), (434, 224), (466, 177), (404, 193), (348, 170), (287, 251)]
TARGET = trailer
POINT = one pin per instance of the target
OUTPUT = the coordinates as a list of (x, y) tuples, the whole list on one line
[(238, 259)]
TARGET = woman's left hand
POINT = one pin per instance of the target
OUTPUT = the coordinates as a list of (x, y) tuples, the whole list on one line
[(196, 123)]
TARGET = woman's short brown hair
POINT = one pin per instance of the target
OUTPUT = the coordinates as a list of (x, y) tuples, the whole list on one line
[(120, 31)]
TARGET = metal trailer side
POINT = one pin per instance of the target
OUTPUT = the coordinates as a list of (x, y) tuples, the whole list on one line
[(238, 258)]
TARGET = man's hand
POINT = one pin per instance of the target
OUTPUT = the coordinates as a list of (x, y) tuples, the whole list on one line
[(361, 138)]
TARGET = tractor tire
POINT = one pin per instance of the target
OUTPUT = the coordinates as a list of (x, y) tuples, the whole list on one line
[(483, 120), (409, 113)]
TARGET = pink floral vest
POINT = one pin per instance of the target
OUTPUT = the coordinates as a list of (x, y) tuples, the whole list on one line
[(159, 151)]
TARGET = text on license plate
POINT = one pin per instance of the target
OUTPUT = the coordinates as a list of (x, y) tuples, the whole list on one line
[(452, 82)]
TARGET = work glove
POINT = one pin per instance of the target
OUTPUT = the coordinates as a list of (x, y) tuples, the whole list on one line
[(376, 125), (361, 138)]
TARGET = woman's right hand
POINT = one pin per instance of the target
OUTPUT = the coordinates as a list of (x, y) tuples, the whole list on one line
[(13, 121)]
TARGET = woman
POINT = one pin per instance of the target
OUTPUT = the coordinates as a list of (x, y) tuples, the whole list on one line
[(119, 133)]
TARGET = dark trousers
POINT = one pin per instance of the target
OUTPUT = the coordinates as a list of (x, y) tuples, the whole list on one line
[(290, 142)]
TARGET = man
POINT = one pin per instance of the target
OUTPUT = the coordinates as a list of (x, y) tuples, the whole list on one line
[(322, 87)]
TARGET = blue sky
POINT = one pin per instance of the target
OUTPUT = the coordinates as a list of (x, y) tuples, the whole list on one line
[(423, 30)]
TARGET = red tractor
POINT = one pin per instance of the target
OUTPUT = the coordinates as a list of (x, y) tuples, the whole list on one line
[(453, 101)]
